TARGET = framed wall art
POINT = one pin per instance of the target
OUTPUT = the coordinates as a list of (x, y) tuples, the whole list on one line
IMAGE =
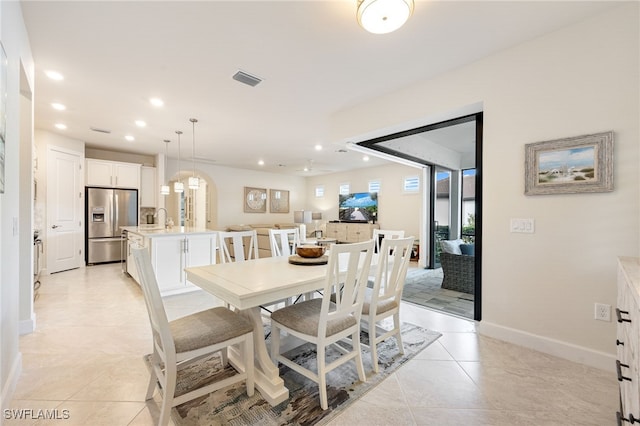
[(278, 201), (570, 165), (255, 200)]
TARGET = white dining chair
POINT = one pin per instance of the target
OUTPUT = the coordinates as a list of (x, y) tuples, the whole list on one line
[(323, 322), (243, 245), (188, 339), (284, 241), (380, 234), (383, 300)]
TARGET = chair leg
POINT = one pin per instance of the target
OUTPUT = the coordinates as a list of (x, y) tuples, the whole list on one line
[(151, 387), (396, 324), (373, 346), (355, 338), (167, 395), (322, 376), (225, 356)]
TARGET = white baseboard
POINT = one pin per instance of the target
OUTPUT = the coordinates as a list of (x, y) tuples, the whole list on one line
[(12, 381), (27, 326), (571, 352)]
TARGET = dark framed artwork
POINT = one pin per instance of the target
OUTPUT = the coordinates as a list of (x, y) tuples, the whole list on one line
[(3, 113), (255, 200), (278, 201), (570, 165)]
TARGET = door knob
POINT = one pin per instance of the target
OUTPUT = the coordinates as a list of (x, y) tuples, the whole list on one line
[(55, 226)]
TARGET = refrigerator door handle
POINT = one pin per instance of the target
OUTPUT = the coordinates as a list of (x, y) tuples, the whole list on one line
[(116, 216)]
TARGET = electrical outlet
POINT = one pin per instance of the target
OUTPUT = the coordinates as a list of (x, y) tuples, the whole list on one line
[(602, 312)]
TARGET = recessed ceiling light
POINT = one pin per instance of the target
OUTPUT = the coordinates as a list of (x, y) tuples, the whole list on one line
[(58, 106), (157, 102), (318, 147), (365, 158), (61, 126), (260, 162), (54, 75), (130, 138), (140, 123)]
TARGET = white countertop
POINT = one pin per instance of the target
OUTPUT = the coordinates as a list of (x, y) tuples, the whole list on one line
[(153, 231)]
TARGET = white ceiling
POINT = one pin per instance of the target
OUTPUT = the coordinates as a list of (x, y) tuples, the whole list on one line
[(314, 58)]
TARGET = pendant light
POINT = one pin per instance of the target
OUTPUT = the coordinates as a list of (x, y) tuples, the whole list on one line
[(194, 182), (178, 186), (164, 188)]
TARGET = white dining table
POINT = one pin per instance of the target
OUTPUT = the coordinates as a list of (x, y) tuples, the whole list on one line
[(253, 283)]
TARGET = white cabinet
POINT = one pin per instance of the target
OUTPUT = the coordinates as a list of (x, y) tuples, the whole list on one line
[(148, 187), (133, 241), (112, 174), (628, 339), (350, 232), (171, 254)]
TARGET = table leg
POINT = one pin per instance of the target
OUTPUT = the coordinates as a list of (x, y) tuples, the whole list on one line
[(267, 378)]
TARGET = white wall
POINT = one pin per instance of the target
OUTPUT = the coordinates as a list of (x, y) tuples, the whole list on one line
[(396, 209), (16, 224), (540, 289), (229, 185)]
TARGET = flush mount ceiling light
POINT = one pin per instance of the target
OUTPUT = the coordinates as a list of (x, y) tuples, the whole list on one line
[(54, 75), (383, 16)]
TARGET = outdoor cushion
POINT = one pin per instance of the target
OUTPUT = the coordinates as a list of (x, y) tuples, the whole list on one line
[(451, 246)]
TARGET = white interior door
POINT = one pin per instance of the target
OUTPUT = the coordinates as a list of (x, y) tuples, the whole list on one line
[(65, 197)]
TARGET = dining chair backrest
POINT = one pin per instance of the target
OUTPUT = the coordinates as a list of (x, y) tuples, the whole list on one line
[(163, 341), (380, 234), (347, 274), (284, 241), (238, 246), (391, 269)]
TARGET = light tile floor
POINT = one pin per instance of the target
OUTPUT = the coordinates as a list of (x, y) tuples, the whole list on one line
[(92, 331)]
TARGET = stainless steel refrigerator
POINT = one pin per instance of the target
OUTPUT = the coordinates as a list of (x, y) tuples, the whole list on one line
[(107, 210)]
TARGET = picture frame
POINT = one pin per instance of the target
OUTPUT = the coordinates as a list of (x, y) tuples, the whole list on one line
[(580, 164), (3, 114), (255, 200), (278, 201)]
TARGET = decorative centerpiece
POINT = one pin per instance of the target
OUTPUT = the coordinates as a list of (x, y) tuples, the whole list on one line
[(309, 255), (310, 251)]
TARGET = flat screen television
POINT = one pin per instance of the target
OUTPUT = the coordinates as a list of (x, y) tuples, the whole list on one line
[(360, 207)]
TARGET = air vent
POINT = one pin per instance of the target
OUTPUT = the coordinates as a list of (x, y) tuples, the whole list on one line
[(246, 78), (95, 129)]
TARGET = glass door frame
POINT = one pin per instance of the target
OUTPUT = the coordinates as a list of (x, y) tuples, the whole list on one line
[(373, 144)]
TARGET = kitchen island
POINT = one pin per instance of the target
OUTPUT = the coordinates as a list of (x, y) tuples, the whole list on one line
[(171, 250)]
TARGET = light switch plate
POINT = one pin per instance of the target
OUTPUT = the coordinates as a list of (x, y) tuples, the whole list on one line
[(523, 226)]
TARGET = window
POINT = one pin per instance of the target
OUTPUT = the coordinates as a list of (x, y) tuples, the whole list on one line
[(344, 189), (411, 184), (374, 186), (319, 191)]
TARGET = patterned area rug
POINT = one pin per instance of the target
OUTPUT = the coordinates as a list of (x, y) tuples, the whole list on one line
[(424, 287), (232, 406)]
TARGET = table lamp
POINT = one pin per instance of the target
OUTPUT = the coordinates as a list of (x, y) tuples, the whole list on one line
[(316, 217), (302, 217)]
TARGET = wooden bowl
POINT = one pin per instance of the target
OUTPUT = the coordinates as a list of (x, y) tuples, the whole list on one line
[(310, 251)]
